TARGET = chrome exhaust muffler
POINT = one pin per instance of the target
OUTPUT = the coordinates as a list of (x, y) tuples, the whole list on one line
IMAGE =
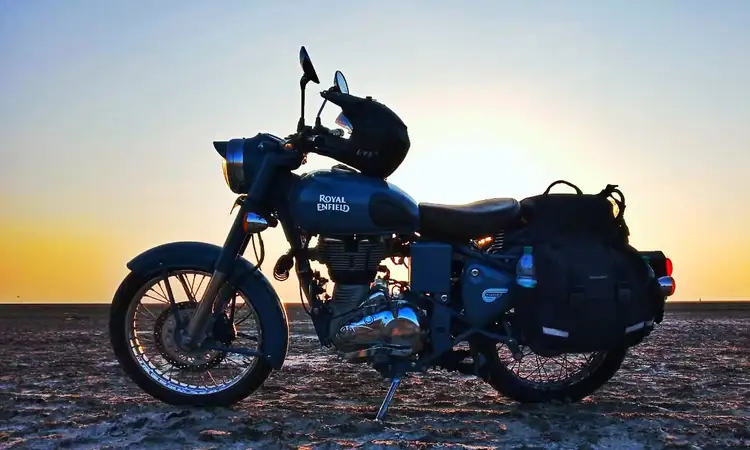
[(667, 285)]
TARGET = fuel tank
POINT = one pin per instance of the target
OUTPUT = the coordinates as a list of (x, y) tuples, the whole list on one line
[(340, 201)]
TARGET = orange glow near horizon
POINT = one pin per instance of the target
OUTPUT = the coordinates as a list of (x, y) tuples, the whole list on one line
[(43, 262)]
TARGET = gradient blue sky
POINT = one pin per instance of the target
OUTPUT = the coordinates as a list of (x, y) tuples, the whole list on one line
[(109, 109)]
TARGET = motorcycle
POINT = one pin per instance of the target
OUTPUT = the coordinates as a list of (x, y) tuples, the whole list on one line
[(492, 284)]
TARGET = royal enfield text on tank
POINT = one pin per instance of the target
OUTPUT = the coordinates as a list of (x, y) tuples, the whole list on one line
[(331, 203), (541, 298)]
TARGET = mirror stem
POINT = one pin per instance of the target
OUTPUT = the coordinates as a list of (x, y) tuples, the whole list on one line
[(320, 111), (302, 83)]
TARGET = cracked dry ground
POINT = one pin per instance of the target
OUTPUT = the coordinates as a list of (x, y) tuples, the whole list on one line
[(687, 386)]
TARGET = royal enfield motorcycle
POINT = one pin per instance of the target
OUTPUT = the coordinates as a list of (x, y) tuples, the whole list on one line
[(541, 298)]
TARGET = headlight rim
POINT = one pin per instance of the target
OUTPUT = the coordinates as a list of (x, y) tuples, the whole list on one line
[(233, 166)]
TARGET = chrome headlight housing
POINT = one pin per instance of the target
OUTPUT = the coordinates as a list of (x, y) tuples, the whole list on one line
[(233, 166), (243, 158)]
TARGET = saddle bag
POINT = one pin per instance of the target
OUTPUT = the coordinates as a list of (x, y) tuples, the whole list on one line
[(594, 292)]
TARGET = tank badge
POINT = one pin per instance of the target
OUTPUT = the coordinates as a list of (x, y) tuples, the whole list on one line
[(332, 203), (490, 295)]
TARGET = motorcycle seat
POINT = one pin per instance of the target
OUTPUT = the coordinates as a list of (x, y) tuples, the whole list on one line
[(470, 221)]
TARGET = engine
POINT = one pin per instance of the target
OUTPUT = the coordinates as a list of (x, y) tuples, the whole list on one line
[(366, 319)]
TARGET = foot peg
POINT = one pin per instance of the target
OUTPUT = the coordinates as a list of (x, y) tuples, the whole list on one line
[(388, 397)]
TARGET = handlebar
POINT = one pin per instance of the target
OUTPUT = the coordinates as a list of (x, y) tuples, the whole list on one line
[(318, 136), (321, 130)]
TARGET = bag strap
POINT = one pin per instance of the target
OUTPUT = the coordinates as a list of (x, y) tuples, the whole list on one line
[(578, 190), (608, 192)]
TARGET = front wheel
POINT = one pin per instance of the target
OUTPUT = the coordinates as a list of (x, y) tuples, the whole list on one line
[(142, 332), (538, 379)]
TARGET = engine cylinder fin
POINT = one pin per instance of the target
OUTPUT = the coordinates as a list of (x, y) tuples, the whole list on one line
[(347, 297), (344, 302), (351, 260)]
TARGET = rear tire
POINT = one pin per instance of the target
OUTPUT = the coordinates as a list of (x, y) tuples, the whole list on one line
[(498, 375), (128, 293)]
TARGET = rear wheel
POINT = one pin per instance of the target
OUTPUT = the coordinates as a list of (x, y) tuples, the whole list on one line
[(538, 379), (142, 332)]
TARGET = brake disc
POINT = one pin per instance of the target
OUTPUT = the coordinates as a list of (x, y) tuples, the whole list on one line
[(193, 361)]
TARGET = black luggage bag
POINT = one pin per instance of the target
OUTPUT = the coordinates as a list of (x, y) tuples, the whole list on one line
[(594, 291)]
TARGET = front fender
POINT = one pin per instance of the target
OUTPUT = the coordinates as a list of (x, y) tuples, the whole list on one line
[(203, 256)]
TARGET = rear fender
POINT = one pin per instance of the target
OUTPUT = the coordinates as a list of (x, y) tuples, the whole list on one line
[(203, 256), (658, 261)]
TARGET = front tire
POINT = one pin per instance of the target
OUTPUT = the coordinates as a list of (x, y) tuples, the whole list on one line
[(145, 371), (500, 374)]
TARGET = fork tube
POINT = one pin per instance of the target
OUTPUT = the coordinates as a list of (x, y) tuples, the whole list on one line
[(235, 242)]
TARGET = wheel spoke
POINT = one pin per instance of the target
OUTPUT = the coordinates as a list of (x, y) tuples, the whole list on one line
[(148, 311), (542, 371), (247, 336), (161, 292), (203, 277), (186, 287), (160, 300)]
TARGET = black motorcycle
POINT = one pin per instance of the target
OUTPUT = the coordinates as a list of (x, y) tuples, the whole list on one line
[(541, 298)]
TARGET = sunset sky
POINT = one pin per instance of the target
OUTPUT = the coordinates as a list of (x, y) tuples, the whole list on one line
[(109, 108)]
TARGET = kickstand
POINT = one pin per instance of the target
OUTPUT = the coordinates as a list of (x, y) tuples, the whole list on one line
[(388, 397)]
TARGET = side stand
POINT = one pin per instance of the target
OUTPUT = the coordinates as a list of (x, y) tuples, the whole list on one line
[(388, 397)]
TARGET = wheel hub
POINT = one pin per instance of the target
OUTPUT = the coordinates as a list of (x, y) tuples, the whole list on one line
[(169, 344)]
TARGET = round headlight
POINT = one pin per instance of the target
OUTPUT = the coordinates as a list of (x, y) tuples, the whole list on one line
[(233, 166), (224, 170)]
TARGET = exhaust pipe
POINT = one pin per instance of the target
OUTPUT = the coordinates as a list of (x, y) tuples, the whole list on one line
[(667, 286)]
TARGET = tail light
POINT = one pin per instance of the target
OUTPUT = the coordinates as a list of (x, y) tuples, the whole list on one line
[(668, 267)]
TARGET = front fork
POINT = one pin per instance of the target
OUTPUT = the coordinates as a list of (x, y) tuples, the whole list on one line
[(234, 246)]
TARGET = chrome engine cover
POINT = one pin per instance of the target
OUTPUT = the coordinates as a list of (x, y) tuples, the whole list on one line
[(389, 326)]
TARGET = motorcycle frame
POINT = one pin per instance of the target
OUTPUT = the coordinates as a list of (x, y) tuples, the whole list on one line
[(433, 258)]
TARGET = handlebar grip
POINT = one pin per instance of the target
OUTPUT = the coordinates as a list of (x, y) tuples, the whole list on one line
[(316, 140), (330, 142)]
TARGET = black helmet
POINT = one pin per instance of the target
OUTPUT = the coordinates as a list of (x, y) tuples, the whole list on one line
[(379, 140)]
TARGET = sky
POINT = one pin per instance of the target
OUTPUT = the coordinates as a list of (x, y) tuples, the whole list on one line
[(108, 111)]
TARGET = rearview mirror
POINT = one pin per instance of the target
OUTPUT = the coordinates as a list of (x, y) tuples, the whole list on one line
[(340, 82), (307, 66)]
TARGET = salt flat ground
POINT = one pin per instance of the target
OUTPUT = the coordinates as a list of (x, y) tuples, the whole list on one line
[(687, 386)]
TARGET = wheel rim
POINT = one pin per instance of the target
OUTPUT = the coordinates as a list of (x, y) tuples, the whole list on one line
[(546, 373), (150, 333)]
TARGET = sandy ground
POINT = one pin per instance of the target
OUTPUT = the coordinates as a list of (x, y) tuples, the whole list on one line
[(688, 386)]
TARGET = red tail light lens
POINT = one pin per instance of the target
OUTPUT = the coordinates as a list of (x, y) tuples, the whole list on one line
[(668, 267)]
